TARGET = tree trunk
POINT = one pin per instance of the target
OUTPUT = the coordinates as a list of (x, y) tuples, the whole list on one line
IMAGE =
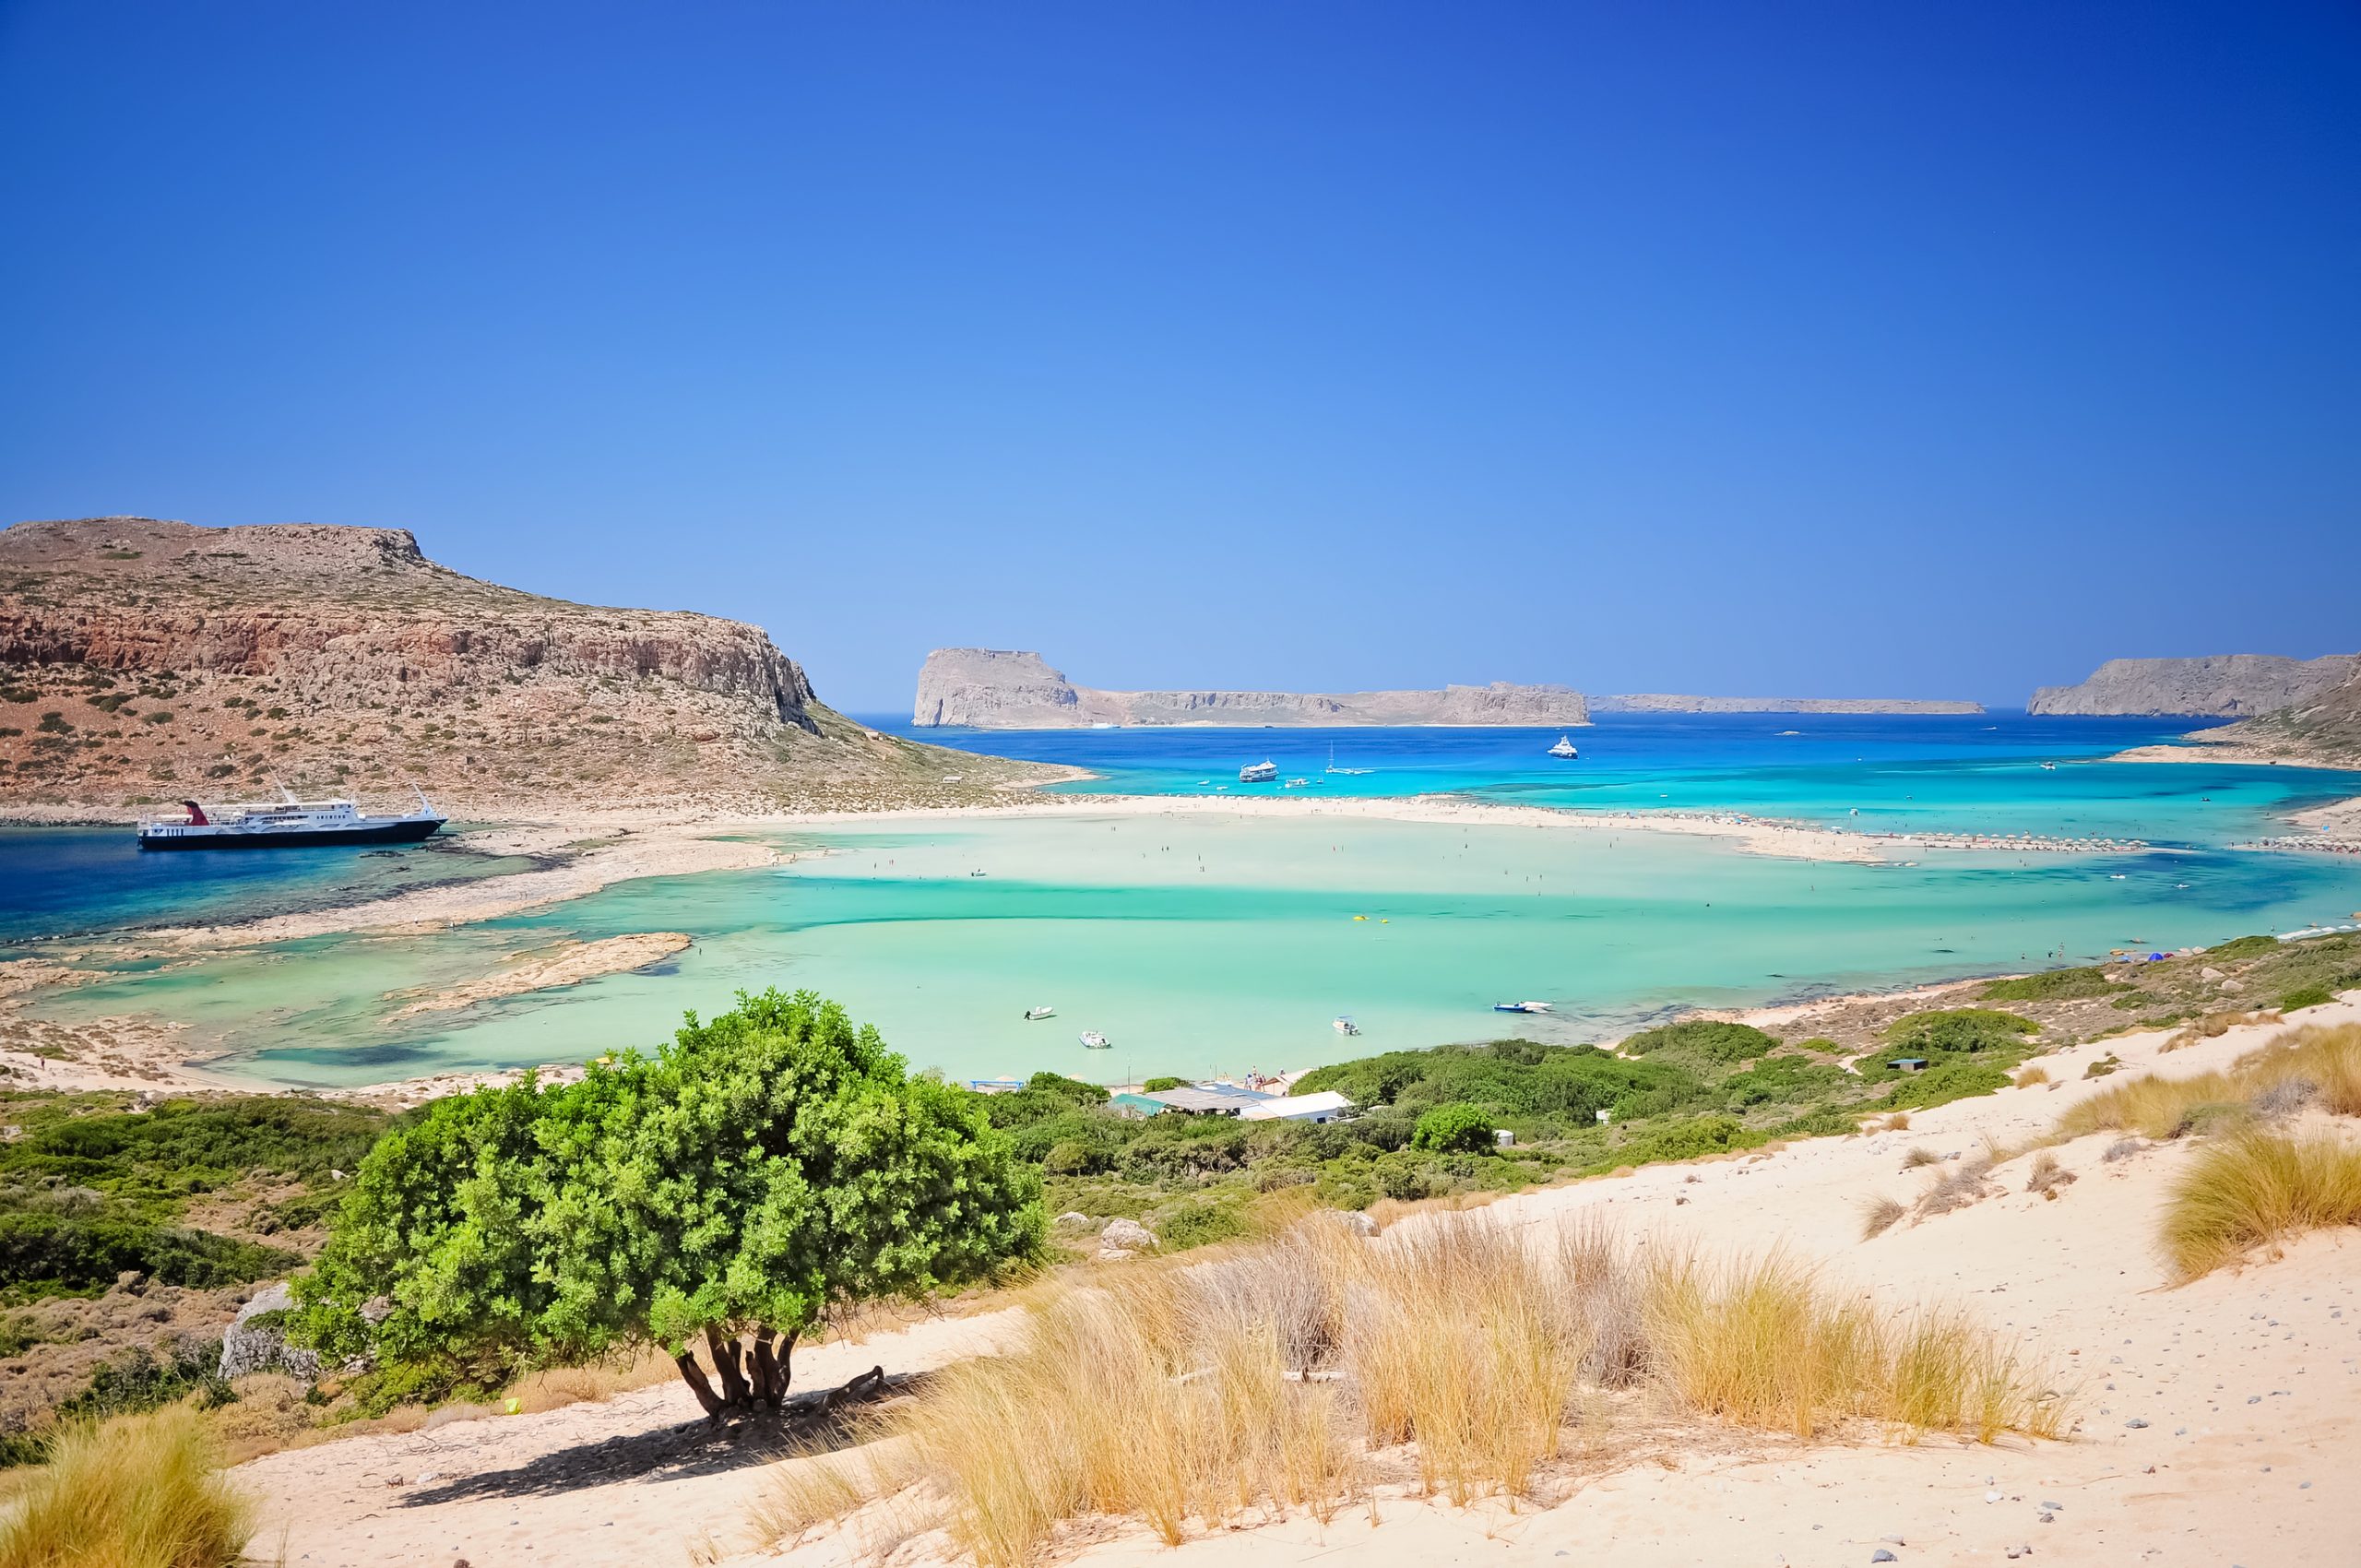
[(693, 1376), (725, 1361), (769, 1374)]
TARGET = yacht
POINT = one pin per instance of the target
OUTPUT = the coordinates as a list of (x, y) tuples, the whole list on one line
[(1346, 1027), (1565, 747), (1258, 773), (1034, 1015), (272, 825), (1297, 784), (1093, 1041)]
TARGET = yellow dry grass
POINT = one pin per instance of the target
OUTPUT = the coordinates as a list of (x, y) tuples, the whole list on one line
[(139, 1492), (1189, 1396), (2254, 1191), (2318, 1065)]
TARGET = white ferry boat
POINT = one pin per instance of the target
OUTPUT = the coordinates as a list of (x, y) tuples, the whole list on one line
[(1258, 773), (271, 825)]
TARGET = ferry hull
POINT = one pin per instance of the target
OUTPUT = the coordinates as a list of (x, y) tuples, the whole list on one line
[(408, 831)]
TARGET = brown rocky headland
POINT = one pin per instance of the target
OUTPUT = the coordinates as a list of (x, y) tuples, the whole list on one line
[(143, 660)]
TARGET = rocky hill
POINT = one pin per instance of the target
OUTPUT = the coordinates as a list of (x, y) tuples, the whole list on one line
[(2323, 729), (1661, 702), (142, 661), (992, 689), (2221, 687)]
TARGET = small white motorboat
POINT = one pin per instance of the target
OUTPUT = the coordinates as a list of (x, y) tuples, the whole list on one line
[(1565, 748), (1297, 784), (2049, 767), (1093, 1041), (1520, 1006), (1034, 1015), (1346, 1027)]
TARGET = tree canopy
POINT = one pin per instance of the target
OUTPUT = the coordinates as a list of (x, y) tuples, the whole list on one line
[(761, 1167)]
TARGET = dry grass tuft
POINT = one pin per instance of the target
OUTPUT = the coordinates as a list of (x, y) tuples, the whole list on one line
[(2252, 1191), (2048, 1176), (139, 1492), (1957, 1188), (2324, 1060), (1898, 1122), (1920, 1155), (2216, 1023), (2032, 1077), (1187, 1395), (1878, 1215)]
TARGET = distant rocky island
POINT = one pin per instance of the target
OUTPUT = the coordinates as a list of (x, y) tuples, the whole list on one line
[(982, 688), (2231, 685), (1663, 702), (997, 689), (143, 660)]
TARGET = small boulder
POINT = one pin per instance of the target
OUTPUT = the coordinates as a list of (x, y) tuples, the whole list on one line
[(1073, 1216), (250, 1347), (1355, 1222), (1126, 1236)]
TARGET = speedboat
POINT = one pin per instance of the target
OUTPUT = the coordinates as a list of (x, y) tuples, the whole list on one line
[(1297, 784), (1520, 1006), (1258, 773), (1093, 1041), (1034, 1015), (1565, 747), (1346, 1027)]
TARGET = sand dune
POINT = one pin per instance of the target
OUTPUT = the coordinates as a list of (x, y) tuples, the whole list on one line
[(2248, 1383)]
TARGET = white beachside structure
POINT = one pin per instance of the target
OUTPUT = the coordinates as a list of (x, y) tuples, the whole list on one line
[(1325, 1106)]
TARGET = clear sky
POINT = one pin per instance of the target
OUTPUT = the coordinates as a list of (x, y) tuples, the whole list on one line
[(1799, 349)]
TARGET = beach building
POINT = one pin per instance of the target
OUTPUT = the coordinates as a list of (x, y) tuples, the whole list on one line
[(1209, 1099), (1325, 1106), (1135, 1105)]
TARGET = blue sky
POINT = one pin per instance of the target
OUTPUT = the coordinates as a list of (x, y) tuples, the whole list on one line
[(1929, 349)]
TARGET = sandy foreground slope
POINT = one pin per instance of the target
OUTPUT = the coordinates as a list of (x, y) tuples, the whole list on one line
[(2248, 1384)]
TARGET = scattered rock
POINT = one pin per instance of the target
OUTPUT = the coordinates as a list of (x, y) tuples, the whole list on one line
[(248, 1347), (1881, 1555), (1357, 1222), (1073, 1216), (1126, 1236), (2135, 1422)]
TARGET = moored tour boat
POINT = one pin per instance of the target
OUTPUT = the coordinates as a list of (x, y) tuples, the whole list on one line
[(272, 825), (1258, 773), (1565, 747)]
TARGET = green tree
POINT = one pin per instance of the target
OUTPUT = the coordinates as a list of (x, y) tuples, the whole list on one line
[(1450, 1128), (760, 1168)]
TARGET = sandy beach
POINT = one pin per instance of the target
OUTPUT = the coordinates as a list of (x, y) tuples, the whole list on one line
[(2215, 1420)]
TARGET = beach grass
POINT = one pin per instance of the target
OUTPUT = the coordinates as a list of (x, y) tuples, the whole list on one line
[(138, 1491), (2319, 1064), (1473, 1355), (2256, 1190)]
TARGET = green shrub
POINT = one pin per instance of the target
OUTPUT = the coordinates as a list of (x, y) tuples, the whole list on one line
[(1946, 1081), (1702, 1040), (1158, 1086), (2305, 996), (1074, 1157), (1689, 1140), (1199, 1221), (2054, 985), (1453, 1127), (1957, 1028)]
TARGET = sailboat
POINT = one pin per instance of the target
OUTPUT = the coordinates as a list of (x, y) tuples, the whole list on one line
[(1346, 772)]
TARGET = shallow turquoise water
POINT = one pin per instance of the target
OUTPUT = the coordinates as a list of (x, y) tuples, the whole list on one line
[(1219, 942)]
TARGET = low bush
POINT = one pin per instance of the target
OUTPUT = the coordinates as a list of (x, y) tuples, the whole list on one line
[(1702, 1040), (1449, 1128), (2306, 996), (2054, 985)]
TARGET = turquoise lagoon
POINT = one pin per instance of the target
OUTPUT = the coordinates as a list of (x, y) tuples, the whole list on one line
[(1210, 942)]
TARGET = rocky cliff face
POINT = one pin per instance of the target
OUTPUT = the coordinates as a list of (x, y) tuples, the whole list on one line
[(991, 689), (1660, 702), (2222, 686), (143, 659)]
